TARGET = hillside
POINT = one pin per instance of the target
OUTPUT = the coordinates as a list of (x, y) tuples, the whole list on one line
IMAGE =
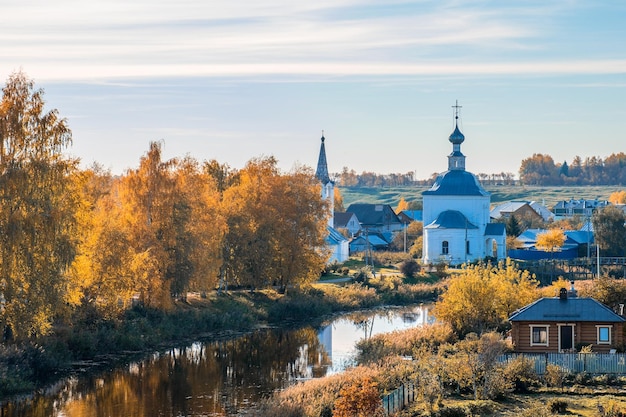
[(548, 196)]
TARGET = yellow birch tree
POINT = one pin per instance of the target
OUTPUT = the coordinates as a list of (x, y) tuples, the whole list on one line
[(37, 211)]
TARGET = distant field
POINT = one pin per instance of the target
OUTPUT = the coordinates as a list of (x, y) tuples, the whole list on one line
[(548, 196)]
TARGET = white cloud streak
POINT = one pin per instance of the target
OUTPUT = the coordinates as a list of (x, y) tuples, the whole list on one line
[(109, 40)]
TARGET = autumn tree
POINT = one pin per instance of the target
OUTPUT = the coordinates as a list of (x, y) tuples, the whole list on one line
[(483, 296), (550, 241), (104, 252), (201, 193), (538, 170), (153, 223), (402, 205), (610, 231), (298, 239), (276, 226), (618, 197), (338, 200), (37, 211)]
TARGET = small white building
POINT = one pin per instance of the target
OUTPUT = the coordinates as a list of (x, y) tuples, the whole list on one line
[(456, 214)]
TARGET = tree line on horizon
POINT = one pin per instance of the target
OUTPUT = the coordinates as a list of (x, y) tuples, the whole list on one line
[(539, 169), (83, 243)]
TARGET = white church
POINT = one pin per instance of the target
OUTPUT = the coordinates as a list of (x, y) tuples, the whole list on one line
[(456, 214)]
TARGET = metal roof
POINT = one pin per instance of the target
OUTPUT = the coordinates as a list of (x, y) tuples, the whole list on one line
[(569, 309), (495, 229)]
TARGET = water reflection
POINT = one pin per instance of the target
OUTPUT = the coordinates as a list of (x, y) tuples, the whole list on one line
[(218, 378)]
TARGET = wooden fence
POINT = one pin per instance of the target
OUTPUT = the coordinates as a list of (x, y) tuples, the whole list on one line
[(399, 398), (591, 363)]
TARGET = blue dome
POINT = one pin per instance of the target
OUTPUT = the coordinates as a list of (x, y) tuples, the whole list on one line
[(456, 182), (457, 137), (451, 219)]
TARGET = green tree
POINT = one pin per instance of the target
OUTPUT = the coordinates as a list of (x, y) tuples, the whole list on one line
[(37, 210), (609, 231), (513, 227)]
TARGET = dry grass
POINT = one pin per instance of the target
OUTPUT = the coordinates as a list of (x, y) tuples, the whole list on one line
[(531, 405)]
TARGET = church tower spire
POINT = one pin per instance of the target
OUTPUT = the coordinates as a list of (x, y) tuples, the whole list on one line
[(328, 186), (322, 166), (456, 160)]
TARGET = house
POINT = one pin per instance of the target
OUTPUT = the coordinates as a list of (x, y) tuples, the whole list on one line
[(347, 221), (565, 323), (584, 208), (522, 210), (376, 218), (457, 227), (408, 216), (363, 243)]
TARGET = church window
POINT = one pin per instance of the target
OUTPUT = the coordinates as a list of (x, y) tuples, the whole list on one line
[(444, 247), (467, 247)]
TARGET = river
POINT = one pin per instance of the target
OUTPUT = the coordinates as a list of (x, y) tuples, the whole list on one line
[(216, 378)]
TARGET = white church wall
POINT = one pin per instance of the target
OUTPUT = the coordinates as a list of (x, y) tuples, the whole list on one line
[(456, 238), (475, 208)]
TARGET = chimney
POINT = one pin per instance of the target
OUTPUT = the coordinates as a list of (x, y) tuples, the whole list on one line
[(563, 294), (572, 292)]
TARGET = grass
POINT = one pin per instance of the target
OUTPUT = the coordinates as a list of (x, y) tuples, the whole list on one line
[(537, 404), (548, 196)]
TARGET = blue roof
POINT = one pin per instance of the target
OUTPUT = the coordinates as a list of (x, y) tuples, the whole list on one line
[(569, 309), (334, 237), (413, 214), (374, 241), (451, 219), (495, 229), (456, 182)]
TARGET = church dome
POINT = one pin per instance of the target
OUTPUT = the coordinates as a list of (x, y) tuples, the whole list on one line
[(451, 219), (456, 182), (456, 138)]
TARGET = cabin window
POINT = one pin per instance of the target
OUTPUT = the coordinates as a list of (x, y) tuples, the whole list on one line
[(538, 335), (444, 247), (604, 335)]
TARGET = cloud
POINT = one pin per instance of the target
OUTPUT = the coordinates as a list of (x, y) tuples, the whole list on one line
[(115, 40)]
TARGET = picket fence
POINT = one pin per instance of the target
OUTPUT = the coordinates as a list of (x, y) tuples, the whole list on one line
[(590, 363)]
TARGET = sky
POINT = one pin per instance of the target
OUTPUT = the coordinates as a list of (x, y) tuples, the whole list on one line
[(237, 80)]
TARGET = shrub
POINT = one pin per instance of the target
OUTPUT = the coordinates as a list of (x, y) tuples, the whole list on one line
[(554, 376), (363, 275), (521, 372), (410, 268), (557, 406), (360, 397), (451, 412)]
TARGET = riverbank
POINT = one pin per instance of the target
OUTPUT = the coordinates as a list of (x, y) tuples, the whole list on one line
[(97, 342)]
